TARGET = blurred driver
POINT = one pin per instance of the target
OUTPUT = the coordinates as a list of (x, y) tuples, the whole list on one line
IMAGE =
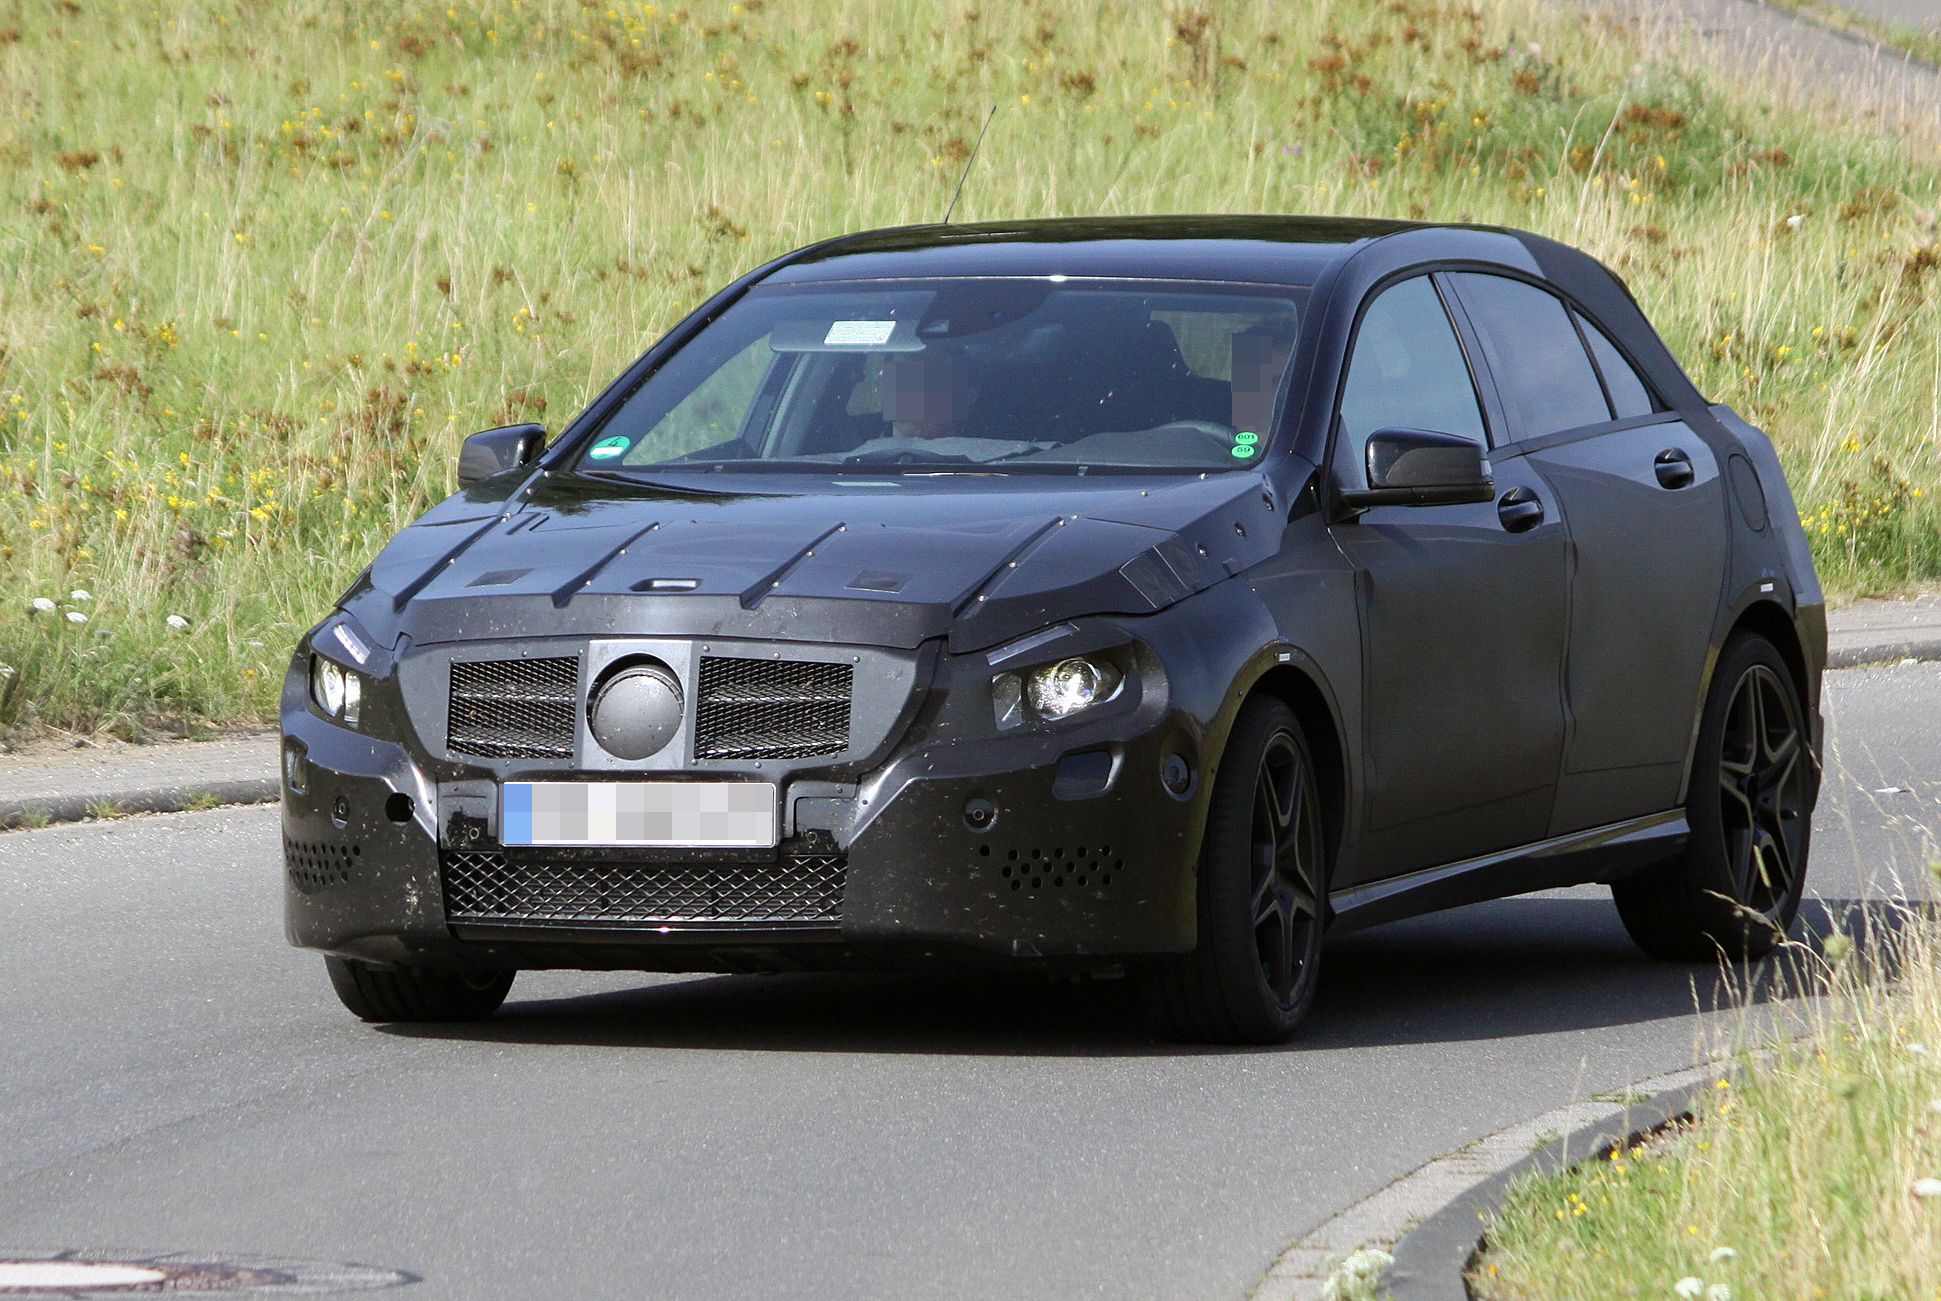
[(1259, 356), (926, 395)]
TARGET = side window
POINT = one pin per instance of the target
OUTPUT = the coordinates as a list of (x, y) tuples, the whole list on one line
[(1407, 371), (1629, 396), (1534, 354)]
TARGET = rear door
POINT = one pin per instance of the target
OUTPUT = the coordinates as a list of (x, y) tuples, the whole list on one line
[(1462, 608), (1642, 500)]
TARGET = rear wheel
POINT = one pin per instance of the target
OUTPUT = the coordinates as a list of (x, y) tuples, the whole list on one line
[(1262, 887), (1737, 886), (416, 993)]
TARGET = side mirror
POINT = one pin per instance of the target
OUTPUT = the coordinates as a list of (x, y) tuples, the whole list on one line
[(483, 455), (1419, 467)]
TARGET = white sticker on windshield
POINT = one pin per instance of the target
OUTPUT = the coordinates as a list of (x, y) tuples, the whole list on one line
[(859, 334)]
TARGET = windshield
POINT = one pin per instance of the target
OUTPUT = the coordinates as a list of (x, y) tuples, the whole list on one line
[(915, 374)]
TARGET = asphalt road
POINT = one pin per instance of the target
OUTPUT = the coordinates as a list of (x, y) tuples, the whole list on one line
[(173, 1077)]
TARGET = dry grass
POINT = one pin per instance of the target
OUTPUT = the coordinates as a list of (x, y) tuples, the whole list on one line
[(264, 266), (1804, 1177)]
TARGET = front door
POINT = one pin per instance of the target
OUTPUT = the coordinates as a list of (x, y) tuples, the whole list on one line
[(1463, 611)]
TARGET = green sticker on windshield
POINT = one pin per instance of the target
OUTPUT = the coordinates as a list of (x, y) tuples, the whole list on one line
[(1246, 436), (1243, 450), (608, 448)]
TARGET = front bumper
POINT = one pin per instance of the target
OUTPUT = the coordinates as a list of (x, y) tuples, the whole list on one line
[(953, 841)]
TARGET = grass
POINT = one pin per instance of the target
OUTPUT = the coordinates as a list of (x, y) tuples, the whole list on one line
[(1802, 1178), (1911, 41), (260, 277)]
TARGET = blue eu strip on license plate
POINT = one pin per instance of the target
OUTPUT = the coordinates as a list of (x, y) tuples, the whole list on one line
[(674, 815)]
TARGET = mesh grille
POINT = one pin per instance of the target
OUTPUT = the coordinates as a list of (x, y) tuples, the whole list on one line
[(514, 709), (483, 886), (771, 709)]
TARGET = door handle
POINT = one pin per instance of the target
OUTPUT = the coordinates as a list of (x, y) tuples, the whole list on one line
[(1520, 510), (1674, 468)]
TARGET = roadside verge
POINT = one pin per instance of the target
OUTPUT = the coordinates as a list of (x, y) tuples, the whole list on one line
[(70, 784), (1432, 1218)]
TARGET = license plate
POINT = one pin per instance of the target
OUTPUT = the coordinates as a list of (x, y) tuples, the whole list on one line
[(669, 815)]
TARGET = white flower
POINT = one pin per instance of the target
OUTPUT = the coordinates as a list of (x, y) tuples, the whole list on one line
[(1718, 1292), (1927, 1187), (1535, 51), (1721, 1254), (177, 622), (1689, 1286), (80, 594), (75, 616), (42, 605), (1919, 1050), (1357, 1276), (1793, 222), (1935, 1105)]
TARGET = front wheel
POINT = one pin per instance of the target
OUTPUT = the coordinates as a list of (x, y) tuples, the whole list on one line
[(1262, 891), (416, 993), (1737, 886)]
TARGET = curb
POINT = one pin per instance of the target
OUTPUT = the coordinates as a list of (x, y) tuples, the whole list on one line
[(1432, 1261), (1885, 652), (1430, 1219), (175, 798)]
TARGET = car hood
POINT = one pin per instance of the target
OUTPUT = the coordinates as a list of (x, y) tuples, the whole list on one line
[(891, 562)]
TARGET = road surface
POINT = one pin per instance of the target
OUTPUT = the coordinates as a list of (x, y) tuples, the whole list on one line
[(173, 1077)]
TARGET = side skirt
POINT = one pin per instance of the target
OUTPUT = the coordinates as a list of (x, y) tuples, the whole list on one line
[(1605, 853)]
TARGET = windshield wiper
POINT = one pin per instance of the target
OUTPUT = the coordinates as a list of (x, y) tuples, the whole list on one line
[(640, 481)]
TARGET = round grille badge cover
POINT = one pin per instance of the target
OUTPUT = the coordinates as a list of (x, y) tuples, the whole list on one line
[(636, 709)]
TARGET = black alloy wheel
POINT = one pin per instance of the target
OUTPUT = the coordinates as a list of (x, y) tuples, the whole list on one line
[(1262, 890), (1284, 859), (1763, 790), (1737, 885)]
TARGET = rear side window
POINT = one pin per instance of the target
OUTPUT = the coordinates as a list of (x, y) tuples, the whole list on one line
[(1629, 396), (1533, 351), (1407, 371)]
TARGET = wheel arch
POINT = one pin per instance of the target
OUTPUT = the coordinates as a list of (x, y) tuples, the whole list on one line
[(1769, 619), (1301, 691)]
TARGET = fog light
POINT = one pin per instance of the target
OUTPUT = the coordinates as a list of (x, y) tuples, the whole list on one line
[(296, 768), (1176, 775)]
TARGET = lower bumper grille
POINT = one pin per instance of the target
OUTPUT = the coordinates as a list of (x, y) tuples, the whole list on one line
[(485, 887)]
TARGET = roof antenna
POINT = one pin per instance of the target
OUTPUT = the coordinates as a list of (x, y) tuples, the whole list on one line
[(958, 192)]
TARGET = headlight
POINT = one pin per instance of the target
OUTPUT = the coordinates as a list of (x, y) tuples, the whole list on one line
[(336, 691), (1055, 690)]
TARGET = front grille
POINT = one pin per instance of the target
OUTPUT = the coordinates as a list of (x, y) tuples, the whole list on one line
[(485, 887), (514, 709), (771, 709)]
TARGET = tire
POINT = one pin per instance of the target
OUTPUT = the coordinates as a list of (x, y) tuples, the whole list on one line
[(416, 993), (1262, 889), (1736, 886)]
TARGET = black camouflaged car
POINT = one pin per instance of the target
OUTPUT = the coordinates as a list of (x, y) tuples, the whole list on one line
[(1142, 595)]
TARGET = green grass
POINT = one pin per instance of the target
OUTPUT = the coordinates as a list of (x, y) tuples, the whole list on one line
[(264, 268), (1801, 1178)]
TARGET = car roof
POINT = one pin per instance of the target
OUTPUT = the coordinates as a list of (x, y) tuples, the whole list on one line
[(1257, 249)]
